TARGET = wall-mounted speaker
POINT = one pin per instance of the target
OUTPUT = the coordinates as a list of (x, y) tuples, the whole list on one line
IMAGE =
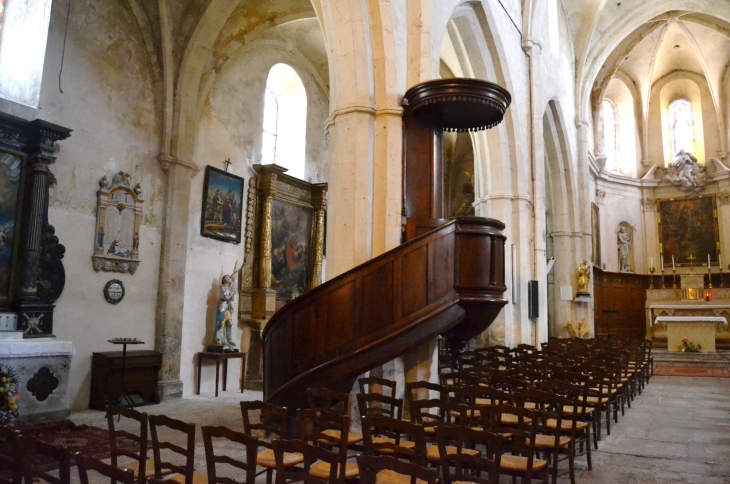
[(533, 302)]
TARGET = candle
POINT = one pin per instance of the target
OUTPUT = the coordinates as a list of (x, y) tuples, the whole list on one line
[(674, 268), (651, 264), (661, 262), (719, 261), (708, 261)]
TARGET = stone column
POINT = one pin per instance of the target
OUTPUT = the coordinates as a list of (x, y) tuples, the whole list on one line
[(42, 137), (171, 287)]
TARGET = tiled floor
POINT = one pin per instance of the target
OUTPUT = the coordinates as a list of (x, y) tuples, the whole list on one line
[(677, 431)]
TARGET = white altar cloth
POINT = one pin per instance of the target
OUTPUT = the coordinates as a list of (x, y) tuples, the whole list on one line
[(690, 319)]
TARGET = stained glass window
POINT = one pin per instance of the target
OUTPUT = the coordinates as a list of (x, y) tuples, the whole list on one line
[(681, 127), (2, 9), (285, 120), (610, 135)]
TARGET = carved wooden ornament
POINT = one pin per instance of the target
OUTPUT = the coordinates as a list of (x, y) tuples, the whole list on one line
[(118, 217)]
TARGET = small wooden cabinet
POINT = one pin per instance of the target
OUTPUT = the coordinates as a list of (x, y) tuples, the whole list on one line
[(143, 367)]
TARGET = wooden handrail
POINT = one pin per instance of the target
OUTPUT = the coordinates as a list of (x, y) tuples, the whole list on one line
[(448, 281)]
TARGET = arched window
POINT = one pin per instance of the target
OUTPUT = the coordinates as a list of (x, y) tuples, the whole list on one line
[(610, 136), (554, 27), (681, 127), (285, 120)]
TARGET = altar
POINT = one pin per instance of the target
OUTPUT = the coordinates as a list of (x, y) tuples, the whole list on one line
[(690, 300), (699, 330)]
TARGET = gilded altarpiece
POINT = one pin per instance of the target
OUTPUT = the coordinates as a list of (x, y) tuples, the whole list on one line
[(283, 252)]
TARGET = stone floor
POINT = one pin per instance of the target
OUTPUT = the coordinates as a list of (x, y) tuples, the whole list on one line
[(677, 431)]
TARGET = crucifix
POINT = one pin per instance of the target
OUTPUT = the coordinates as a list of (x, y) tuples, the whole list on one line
[(227, 163), (691, 267)]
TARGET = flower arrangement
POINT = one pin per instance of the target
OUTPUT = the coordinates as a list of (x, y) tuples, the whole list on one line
[(689, 347), (9, 395), (578, 330)]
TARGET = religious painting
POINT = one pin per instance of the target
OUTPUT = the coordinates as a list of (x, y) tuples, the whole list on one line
[(596, 235), (291, 237), (688, 231), (222, 206), (10, 171), (118, 219)]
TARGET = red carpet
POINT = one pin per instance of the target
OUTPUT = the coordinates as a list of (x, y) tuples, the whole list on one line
[(667, 370), (91, 441)]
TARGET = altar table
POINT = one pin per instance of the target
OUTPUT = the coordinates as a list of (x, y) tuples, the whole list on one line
[(700, 330)]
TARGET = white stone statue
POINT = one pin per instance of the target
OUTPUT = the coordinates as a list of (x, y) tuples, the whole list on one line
[(224, 314), (624, 246), (687, 174)]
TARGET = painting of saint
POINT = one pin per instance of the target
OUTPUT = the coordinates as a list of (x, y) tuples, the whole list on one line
[(10, 166), (222, 206), (291, 234), (688, 228)]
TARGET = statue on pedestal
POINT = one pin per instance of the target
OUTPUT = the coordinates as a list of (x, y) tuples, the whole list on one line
[(584, 276), (222, 341), (624, 246)]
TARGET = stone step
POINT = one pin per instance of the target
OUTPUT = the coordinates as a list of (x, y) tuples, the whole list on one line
[(721, 359)]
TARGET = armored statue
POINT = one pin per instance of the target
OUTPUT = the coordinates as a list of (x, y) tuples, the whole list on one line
[(222, 341)]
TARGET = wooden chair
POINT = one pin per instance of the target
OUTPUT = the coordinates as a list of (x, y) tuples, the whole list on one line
[(320, 466), (434, 413), (86, 464), (248, 465), (553, 432), (329, 429), (61, 455), (459, 462), (521, 460), (378, 405), (183, 474), (12, 457), (397, 438), (273, 423), (382, 470), (574, 409), (142, 467), (372, 383)]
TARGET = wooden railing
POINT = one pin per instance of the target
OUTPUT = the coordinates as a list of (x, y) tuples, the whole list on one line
[(448, 281)]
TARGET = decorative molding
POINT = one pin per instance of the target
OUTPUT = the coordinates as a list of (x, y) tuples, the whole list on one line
[(247, 268), (724, 198), (600, 196), (505, 196), (166, 161), (648, 204), (43, 384), (687, 174)]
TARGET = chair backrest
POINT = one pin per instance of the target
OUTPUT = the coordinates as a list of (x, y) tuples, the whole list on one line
[(311, 454), (434, 413), (372, 383), (325, 428), (140, 455), (86, 464), (12, 456), (421, 390), (273, 420), (371, 467), (188, 452), (382, 435), (60, 454), (523, 434), (377, 405), (327, 399), (248, 465), (458, 466)]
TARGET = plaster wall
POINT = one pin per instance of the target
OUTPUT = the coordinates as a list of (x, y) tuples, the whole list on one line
[(231, 127), (115, 125)]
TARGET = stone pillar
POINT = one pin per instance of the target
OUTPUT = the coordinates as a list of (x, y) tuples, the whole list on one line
[(171, 287), (33, 311)]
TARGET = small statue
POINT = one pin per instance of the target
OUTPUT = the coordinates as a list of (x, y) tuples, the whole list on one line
[(104, 183), (584, 276), (624, 246), (222, 342), (100, 237), (687, 174), (138, 190), (121, 178)]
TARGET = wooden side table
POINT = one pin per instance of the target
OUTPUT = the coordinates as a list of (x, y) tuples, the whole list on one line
[(224, 357)]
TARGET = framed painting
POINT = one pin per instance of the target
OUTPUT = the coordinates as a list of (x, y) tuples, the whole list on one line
[(222, 206), (688, 230), (291, 248), (11, 165), (596, 234)]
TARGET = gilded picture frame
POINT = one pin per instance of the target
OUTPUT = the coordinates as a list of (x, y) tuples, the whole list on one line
[(688, 229), (12, 181)]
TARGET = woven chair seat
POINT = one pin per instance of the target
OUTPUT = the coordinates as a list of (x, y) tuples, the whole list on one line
[(352, 438), (266, 459), (566, 424), (548, 441), (432, 452), (321, 470), (517, 463), (388, 476), (198, 478)]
